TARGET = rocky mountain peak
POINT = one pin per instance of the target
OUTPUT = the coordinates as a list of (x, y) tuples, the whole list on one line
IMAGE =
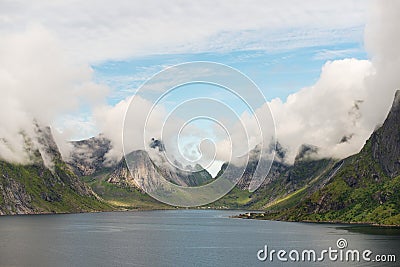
[(89, 156), (47, 146), (306, 152), (147, 174)]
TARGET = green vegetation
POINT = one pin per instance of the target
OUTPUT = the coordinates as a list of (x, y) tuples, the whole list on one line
[(37, 190), (359, 192), (121, 196), (1, 199), (235, 199), (201, 177), (290, 184)]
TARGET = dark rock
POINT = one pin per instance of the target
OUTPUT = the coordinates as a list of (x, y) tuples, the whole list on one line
[(89, 156), (306, 151), (385, 141)]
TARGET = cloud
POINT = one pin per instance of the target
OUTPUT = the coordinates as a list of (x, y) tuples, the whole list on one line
[(111, 122), (96, 30), (351, 98), (38, 82), (334, 54), (322, 114), (382, 39)]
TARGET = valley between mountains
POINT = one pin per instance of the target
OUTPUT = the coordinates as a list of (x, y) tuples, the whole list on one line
[(363, 188)]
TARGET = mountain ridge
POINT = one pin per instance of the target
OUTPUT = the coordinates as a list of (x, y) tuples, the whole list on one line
[(361, 188)]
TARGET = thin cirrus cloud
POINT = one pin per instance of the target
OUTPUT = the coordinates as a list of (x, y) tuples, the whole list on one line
[(94, 31), (326, 54)]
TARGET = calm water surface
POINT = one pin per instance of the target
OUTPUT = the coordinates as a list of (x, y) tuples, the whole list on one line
[(173, 238)]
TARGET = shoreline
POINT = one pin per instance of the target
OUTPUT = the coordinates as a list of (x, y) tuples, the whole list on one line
[(118, 210), (248, 216), (260, 216)]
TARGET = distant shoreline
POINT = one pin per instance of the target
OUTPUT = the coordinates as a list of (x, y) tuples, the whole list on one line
[(250, 215), (257, 216), (121, 210)]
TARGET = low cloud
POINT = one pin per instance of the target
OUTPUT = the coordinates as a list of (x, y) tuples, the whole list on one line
[(38, 82), (322, 114)]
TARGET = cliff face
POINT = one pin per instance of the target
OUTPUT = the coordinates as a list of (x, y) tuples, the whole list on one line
[(147, 174), (142, 168), (46, 185), (385, 142)]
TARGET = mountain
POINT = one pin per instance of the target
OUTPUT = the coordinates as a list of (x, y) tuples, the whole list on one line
[(361, 188), (45, 185), (385, 142), (117, 184), (89, 156), (283, 180)]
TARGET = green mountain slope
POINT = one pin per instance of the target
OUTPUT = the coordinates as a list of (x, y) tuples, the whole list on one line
[(37, 188), (30, 189), (282, 182), (364, 188)]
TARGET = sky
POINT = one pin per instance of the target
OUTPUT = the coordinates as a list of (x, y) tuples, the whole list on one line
[(277, 73), (326, 68)]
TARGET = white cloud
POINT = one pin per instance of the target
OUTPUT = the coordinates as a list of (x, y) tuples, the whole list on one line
[(322, 114), (38, 81), (101, 30), (382, 41), (110, 120), (326, 54)]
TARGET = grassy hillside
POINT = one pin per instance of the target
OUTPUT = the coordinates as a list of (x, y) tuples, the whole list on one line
[(35, 189)]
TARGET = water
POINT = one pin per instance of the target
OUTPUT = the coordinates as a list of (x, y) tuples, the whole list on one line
[(172, 238)]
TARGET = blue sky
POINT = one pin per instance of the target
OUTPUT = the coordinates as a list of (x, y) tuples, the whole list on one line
[(277, 73)]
